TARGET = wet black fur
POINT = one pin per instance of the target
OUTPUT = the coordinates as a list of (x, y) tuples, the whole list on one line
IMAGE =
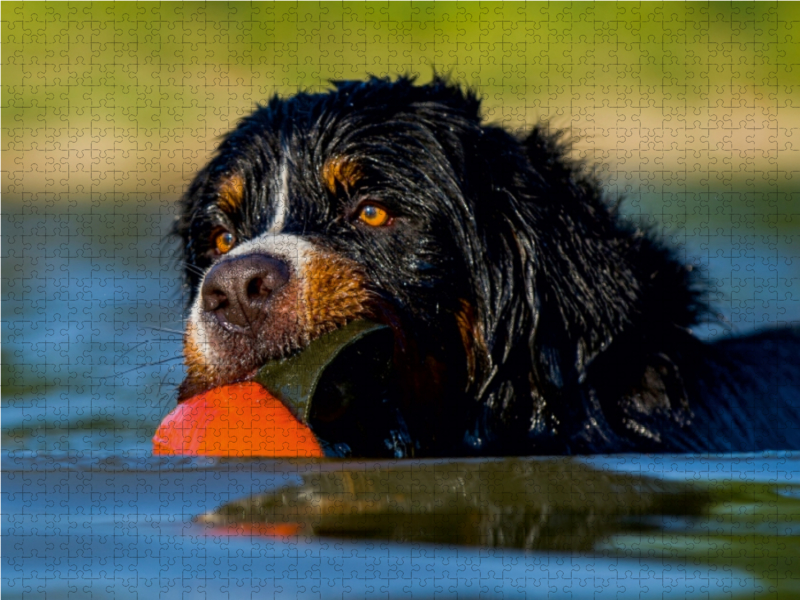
[(584, 317)]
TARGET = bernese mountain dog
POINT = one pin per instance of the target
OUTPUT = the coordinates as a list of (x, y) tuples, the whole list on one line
[(528, 317)]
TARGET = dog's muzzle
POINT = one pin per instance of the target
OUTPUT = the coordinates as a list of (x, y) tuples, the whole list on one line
[(238, 290)]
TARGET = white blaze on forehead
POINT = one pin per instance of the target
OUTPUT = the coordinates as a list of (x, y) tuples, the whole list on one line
[(293, 250), (280, 198)]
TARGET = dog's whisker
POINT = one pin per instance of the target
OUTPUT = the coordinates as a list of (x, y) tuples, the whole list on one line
[(149, 364), (105, 378), (161, 386), (191, 267), (165, 330), (135, 346)]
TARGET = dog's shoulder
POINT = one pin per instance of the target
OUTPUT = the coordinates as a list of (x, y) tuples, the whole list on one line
[(747, 392)]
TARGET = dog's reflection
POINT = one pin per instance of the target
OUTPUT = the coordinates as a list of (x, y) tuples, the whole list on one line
[(558, 504)]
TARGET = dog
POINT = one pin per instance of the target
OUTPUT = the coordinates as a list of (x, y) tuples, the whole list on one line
[(528, 316)]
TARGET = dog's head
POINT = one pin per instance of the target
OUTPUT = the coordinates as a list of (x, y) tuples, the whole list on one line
[(499, 270)]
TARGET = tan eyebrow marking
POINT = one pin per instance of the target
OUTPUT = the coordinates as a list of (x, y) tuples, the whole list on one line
[(342, 170), (231, 193)]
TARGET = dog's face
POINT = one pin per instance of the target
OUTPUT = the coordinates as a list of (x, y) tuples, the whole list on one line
[(324, 209)]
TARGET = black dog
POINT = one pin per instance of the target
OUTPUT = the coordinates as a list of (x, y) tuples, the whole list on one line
[(528, 317)]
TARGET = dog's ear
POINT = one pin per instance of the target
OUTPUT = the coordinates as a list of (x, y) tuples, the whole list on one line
[(523, 356), (566, 279)]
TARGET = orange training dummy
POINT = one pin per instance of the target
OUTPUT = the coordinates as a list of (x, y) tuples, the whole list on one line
[(234, 420)]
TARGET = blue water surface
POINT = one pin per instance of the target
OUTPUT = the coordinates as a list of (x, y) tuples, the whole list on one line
[(91, 326)]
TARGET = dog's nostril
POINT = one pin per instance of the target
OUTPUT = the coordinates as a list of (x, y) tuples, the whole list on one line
[(235, 289), (258, 288), (213, 300)]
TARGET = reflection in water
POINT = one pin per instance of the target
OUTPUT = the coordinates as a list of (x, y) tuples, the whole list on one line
[(540, 504), (557, 504), (582, 528)]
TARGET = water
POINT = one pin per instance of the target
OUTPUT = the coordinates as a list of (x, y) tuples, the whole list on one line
[(91, 346), (573, 528), (91, 328)]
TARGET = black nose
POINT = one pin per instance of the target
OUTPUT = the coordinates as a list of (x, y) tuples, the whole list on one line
[(238, 289)]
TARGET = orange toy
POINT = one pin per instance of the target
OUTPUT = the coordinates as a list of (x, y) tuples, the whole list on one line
[(234, 420)]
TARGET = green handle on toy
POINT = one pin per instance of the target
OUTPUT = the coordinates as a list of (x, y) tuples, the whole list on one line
[(332, 372)]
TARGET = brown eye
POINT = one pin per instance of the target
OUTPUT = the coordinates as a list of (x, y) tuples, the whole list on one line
[(224, 241), (373, 215)]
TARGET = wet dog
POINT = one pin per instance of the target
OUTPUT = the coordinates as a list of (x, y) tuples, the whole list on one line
[(528, 317)]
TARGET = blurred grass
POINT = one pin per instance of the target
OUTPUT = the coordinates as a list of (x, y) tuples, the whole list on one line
[(689, 109)]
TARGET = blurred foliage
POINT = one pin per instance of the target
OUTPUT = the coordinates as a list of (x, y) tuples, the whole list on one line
[(170, 65), (124, 101)]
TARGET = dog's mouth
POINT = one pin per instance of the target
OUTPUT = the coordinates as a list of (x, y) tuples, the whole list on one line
[(326, 343), (342, 384)]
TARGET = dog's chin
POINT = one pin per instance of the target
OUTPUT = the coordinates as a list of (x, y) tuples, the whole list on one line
[(232, 356), (200, 380)]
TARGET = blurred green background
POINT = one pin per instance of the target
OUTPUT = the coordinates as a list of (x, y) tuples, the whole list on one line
[(690, 109)]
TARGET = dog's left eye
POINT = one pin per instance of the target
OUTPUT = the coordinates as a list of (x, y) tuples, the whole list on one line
[(224, 241), (374, 216)]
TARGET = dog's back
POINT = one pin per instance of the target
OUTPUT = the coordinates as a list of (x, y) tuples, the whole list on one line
[(748, 393)]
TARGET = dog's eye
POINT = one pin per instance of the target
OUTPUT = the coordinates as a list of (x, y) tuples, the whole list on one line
[(374, 215), (224, 241)]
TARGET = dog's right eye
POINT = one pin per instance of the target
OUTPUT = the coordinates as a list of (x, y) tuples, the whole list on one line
[(224, 241), (374, 215)]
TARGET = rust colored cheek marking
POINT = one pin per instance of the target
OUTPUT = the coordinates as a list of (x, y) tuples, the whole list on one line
[(471, 336), (230, 193), (197, 366), (335, 293), (341, 171)]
